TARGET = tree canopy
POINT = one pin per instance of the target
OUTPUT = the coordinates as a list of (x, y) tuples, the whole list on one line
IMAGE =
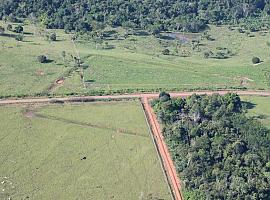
[(185, 15), (219, 152)]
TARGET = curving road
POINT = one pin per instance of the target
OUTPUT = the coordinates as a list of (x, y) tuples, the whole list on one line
[(169, 167)]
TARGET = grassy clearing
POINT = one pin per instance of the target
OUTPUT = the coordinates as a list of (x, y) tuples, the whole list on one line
[(136, 63), (21, 73), (259, 107), (43, 150)]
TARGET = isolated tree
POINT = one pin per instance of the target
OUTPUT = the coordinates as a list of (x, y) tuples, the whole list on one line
[(2, 30), (206, 54), (166, 52), (256, 60), (19, 37), (9, 27), (52, 37), (18, 29), (42, 59)]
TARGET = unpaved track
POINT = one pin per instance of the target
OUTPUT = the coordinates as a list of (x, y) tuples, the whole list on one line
[(163, 151), (152, 120), (124, 96)]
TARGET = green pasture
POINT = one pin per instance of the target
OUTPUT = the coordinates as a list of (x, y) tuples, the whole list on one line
[(134, 63), (259, 108), (84, 151), (20, 72), (137, 63)]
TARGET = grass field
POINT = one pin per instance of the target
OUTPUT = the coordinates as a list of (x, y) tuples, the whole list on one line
[(85, 151), (260, 108), (135, 63), (21, 73)]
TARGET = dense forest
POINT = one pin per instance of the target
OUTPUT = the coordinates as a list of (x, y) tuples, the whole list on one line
[(219, 152), (152, 15)]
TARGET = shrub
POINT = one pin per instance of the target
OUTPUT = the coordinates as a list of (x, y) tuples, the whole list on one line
[(9, 27), (18, 29), (19, 37), (166, 52), (256, 60), (42, 59), (164, 96), (240, 30), (52, 37), (206, 54), (2, 30)]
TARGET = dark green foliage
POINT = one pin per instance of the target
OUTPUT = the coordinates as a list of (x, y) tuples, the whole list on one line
[(9, 27), (221, 53), (52, 37), (42, 59), (163, 96), (256, 60), (267, 8), (2, 30), (206, 54), (155, 16), (18, 29), (219, 152), (19, 37), (166, 52)]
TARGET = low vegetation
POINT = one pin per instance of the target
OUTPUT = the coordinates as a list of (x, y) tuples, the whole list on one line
[(118, 60), (219, 151), (258, 108), (97, 151)]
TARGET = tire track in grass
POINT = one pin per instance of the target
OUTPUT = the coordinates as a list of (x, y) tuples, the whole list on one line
[(123, 131)]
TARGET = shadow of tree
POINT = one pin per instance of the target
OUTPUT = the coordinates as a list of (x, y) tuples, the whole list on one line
[(249, 105)]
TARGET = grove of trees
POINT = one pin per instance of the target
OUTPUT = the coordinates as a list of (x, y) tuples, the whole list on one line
[(152, 15), (219, 152)]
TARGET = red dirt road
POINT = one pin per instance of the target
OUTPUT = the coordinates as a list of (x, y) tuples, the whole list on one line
[(156, 129), (163, 151), (124, 96)]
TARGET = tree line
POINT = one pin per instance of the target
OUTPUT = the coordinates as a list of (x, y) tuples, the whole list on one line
[(152, 15), (219, 152)]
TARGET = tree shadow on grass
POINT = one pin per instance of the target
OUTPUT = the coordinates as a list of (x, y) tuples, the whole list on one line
[(48, 61), (90, 81), (165, 37), (11, 35), (141, 33), (28, 33), (249, 105)]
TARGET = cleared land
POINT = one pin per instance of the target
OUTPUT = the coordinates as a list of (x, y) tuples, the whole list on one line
[(94, 151), (137, 63), (133, 64), (259, 108), (21, 73)]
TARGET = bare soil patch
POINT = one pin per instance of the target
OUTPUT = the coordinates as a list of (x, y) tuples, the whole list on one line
[(60, 81), (40, 72), (29, 114)]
